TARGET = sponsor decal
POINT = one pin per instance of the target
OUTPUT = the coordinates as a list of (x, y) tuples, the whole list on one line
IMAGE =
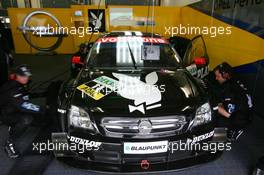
[(134, 38), (136, 108), (199, 73), (85, 142), (106, 81), (201, 137), (98, 88), (145, 95), (145, 147), (97, 23), (231, 108), (151, 53), (62, 111), (143, 99), (202, 72), (91, 91), (30, 106), (227, 4), (192, 69)]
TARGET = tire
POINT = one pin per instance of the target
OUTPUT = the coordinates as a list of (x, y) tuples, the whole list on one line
[(52, 102)]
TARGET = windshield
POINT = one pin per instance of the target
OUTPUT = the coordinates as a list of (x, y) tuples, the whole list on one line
[(133, 52)]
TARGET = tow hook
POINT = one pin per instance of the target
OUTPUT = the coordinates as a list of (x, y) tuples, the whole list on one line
[(145, 164)]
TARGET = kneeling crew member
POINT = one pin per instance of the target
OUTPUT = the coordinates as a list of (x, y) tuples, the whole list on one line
[(16, 109), (236, 102)]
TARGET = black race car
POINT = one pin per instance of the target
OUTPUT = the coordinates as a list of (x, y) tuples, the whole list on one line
[(132, 106)]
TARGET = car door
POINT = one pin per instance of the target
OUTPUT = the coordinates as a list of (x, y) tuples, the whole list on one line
[(196, 59)]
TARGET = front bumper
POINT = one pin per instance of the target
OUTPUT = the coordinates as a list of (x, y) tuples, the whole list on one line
[(111, 157)]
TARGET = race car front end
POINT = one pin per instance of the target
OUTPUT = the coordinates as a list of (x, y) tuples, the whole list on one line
[(127, 144)]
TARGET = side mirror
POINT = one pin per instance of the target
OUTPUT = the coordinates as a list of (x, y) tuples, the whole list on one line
[(76, 60), (76, 65), (200, 61)]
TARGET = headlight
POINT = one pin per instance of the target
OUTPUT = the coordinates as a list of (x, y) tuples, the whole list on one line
[(203, 115), (79, 118)]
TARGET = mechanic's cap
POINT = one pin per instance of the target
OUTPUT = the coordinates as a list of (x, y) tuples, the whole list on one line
[(224, 68), (23, 70)]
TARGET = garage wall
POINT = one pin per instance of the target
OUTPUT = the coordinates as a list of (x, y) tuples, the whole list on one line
[(243, 48), (140, 14), (163, 16), (241, 44), (246, 15), (129, 2), (240, 47)]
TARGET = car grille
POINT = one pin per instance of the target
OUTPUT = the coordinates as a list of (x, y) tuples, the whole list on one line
[(143, 127)]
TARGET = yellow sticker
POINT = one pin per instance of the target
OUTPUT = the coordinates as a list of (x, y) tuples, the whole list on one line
[(90, 92)]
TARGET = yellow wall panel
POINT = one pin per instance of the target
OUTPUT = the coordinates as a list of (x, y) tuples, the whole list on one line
[(164, 16), (241, 47)]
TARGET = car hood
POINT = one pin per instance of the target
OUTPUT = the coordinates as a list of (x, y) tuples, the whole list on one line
[(137, 93)]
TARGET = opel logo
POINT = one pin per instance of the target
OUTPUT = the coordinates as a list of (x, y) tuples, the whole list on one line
[(26, 29), (144, 127)]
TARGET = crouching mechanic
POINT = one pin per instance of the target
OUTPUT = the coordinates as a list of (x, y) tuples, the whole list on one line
[(16, 110), (236, 105)]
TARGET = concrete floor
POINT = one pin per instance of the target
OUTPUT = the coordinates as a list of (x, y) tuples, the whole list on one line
[(239, 161)]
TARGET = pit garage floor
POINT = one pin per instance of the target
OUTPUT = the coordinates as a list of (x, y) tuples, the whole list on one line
[(239, 161)]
